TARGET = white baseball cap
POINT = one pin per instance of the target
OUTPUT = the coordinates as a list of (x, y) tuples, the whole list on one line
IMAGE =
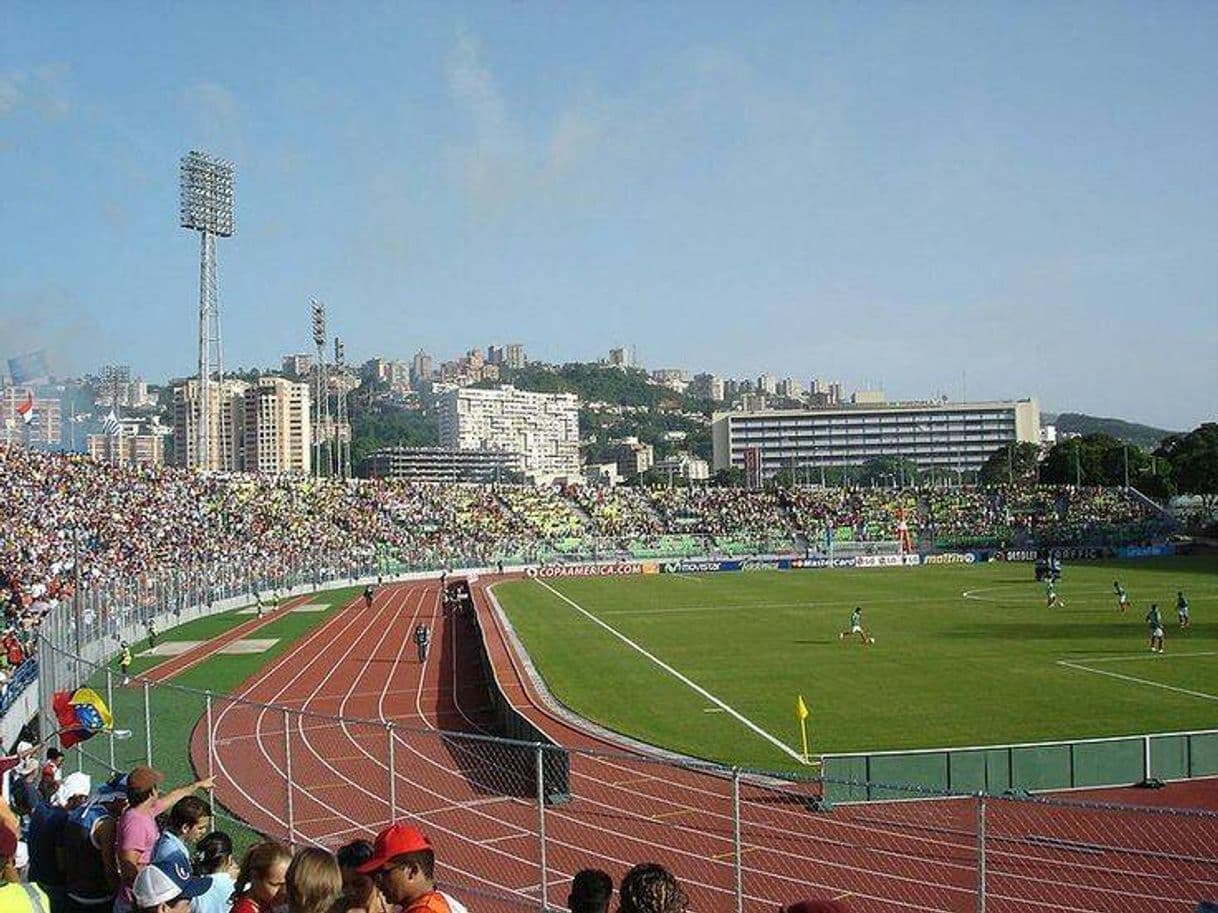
[(74, 784), (161, 882)]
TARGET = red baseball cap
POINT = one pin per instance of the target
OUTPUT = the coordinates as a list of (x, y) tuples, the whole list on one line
[(395, 840)]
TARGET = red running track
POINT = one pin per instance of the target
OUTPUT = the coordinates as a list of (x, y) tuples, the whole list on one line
[(474, 799)]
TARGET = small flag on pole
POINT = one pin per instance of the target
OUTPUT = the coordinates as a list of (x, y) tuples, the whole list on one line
[(26, 409), (801, 711), (110, 425)]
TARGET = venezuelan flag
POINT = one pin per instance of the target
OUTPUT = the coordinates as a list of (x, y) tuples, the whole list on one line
[(81, 714)]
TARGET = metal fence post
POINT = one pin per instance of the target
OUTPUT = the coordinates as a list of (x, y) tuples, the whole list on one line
[(287, 771), (393, 779), (539, 760), (981, 853), (1146, 757), (211, 759), (110, 703), (737, 851), (147, 725)]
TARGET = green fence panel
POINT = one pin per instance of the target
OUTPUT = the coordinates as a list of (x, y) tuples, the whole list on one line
[(927, 770), (1203, 754), (997, 769), (1169, 757), (1108, 763), (1040, 767), (850, 768), (966, 771)]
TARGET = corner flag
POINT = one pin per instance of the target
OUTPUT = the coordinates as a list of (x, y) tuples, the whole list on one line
[(801, 711)]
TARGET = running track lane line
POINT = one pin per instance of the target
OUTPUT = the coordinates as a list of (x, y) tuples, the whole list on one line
[(731, 711)]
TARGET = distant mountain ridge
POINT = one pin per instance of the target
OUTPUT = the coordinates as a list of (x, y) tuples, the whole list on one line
[(1146, 436)]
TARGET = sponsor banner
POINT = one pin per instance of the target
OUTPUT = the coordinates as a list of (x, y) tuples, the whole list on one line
[(651, 567), (822, 562), (587, 570), (698, 567), (1145, 551), (1015, 554), (888, 561), (1080, 553), (765, 564), (950, 558)]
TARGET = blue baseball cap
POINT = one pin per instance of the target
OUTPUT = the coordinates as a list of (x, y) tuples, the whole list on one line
[(161, 882)]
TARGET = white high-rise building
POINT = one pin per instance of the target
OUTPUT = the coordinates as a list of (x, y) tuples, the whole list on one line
[(226, 422), (542, 428), (277, 428)]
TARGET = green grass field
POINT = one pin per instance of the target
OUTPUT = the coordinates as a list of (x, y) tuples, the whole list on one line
[(964, 655)]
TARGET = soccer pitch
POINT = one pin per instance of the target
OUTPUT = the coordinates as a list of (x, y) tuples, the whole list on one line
[(711, 664)]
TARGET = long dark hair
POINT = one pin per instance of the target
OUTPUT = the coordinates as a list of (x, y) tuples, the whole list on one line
[(212, 853)]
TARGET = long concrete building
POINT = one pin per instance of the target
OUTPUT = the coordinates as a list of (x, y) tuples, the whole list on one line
[(948, 436)]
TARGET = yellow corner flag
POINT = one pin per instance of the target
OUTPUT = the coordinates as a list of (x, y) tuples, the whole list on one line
[(801, 711)]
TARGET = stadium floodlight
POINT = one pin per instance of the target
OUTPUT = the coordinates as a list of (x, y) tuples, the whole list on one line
[(206, 206), (322, 399)]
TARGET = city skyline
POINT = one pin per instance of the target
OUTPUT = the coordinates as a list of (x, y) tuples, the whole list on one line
[(1020, 201)]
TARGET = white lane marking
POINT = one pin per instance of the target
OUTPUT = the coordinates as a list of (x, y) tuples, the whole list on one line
[(739, 717), (1156, 657), (1139, 681)]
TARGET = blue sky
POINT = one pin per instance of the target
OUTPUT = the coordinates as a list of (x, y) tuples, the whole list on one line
[(1019, 198)]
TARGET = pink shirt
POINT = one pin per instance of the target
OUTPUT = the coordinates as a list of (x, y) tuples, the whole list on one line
[(137, 831)]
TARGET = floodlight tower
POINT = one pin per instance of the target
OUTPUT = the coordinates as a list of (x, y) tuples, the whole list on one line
[(342, 435), (206, 206), (321, 409)]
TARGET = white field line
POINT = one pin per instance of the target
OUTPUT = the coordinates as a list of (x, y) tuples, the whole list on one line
[(1158, 657), (739, 717), (1029, 590), (1139, 681)]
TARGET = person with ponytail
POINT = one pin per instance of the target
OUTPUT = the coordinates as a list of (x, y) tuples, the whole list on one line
[(261, 879), (213, 856)]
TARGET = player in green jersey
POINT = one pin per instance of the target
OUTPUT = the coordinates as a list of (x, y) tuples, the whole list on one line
[(1155, 620)]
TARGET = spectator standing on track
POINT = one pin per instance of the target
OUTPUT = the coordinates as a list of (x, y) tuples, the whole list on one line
[(151, 633), (261, 879), (369, 593), (314, 882), (359, 893), (88, 840), (1155, 620), (165, 888), (403, 868), (137, 830), (591, 891), (124, 663), (422, 638), (651, 888), (189, 819), (213, 857)]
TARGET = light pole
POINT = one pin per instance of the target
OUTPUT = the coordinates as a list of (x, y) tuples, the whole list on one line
[(320, 400), (206, 206), (1126, 449)]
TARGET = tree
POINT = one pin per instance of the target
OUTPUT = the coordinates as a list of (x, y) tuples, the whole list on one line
[(888, 470), (732, 477), (1093, 459), (1016, 463), (1193, 458)]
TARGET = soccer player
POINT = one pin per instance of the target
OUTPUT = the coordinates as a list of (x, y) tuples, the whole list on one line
[(1182, 609), (1156, 628), (1121, 595), (1051, 599), (856, 627)]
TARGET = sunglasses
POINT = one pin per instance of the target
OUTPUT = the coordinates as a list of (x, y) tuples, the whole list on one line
[(381, 874)]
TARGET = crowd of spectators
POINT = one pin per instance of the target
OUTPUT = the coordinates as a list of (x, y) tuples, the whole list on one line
[(64, 517), (126, 846)]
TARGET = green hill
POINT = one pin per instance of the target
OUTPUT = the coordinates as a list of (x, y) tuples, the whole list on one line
[(1145, 436)]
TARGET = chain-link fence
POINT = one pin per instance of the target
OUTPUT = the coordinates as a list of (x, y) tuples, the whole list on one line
[(514, 820)]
